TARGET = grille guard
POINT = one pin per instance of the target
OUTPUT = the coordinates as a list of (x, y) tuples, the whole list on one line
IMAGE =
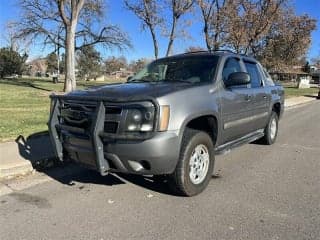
[(95, 130), (97, 136)]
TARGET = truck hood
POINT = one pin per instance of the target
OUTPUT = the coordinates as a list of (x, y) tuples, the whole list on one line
[(131, 91)]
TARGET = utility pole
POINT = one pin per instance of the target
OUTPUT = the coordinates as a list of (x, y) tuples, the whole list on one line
[(55, 77)]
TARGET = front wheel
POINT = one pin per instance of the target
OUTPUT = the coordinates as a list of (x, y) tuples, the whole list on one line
[(271, 130), (195, 166)]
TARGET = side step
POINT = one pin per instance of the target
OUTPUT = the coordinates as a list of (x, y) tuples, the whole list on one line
[(227, 147)]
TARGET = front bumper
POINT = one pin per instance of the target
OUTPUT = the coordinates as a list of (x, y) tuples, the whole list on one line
[(153, 154)]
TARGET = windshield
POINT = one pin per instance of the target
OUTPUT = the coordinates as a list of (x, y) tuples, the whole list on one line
[(194, 69)]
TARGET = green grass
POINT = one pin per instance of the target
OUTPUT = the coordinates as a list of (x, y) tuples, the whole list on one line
[(24, 104), (291, 90)]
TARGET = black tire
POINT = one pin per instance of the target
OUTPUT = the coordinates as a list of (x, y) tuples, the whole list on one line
[(270, 138), (179, 180)]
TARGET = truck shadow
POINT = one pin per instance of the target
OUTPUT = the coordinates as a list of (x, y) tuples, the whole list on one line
[(156, 184), (37, 149), (70, 174)]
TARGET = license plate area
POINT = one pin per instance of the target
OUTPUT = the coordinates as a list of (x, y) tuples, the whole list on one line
[(80, 151)]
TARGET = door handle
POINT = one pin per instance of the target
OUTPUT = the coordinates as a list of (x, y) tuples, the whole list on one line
[(248, 97), (264, 97)]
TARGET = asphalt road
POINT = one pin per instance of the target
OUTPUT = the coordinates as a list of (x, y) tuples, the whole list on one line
[(259, 192)]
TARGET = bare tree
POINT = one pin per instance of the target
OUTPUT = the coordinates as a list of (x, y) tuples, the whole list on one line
[(148, 11), (139, 64), (8, 36), (207, 10), (113, 64), (69, 24), (214, 16), (287, 41), (194, 49), (249, 21), (238, 24), (178, 8)]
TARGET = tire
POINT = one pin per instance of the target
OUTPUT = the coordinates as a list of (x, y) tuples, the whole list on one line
[(190, 180), (271, 130)]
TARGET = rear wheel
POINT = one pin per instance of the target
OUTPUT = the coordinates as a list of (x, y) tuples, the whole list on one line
[(271, 130), (195, 166)]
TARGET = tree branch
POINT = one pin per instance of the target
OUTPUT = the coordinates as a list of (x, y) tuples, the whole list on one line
[(61, 4)]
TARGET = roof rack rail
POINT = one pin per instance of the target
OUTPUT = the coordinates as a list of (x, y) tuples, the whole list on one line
[(220, 50), (198, 51), (224, 50), (230, 51)]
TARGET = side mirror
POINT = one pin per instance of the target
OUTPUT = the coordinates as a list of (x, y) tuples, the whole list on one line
[(238, 78)]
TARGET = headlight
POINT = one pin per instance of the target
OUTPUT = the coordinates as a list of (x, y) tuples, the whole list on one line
[(140, 118)]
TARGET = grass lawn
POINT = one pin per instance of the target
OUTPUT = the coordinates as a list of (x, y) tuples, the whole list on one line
[(292, 91), (24, 104)]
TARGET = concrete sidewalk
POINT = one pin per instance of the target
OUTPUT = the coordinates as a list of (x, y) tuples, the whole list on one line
[(290, 102), (24, 155)]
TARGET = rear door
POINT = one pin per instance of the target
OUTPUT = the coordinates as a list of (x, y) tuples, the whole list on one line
[(260, 99), (235, 103)]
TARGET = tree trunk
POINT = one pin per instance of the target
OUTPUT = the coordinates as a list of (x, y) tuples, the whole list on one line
[(216, 44), (171, 36), (155, 43), (70, 77), (206, 34)]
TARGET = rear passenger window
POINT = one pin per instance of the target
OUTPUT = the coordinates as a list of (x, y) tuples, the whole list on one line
[(231, 65), (254, 73)]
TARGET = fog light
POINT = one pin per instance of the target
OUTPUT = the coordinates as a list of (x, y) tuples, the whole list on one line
[(146, 127), (132, 127)]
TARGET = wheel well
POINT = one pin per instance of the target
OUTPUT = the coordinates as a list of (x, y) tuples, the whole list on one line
[(277, 108), (207, 124)]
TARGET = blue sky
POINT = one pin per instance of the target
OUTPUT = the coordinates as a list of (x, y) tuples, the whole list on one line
[(142, 44)]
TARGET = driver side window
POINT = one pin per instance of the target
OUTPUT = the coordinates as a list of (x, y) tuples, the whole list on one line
[(230, 66)]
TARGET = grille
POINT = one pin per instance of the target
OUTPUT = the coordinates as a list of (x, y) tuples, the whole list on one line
[(110, 127), (80, 115)]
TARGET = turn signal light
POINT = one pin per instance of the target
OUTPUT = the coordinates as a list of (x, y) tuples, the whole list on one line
[(164, 118)]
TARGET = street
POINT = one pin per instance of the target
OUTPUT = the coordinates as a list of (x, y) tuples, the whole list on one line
[(257, 192)]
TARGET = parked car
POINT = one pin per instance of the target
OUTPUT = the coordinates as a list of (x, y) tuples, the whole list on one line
[(170, 119)]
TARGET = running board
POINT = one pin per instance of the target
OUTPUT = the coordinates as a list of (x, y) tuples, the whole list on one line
[(227, 147)]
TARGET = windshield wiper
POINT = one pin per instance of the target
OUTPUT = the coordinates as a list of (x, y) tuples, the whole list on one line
[(177, 80), (141, 80)]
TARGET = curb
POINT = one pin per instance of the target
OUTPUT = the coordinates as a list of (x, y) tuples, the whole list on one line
[(12, 170), (25, 155), (296, 101)]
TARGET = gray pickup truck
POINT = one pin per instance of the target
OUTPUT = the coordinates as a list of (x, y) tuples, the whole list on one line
[(170, 119)]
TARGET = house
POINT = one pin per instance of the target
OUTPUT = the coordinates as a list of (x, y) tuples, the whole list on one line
[(121, 73), (315, 73), (37, 67), (289, 73)]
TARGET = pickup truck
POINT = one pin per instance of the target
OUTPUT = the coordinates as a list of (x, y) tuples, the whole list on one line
[(170, 119)]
